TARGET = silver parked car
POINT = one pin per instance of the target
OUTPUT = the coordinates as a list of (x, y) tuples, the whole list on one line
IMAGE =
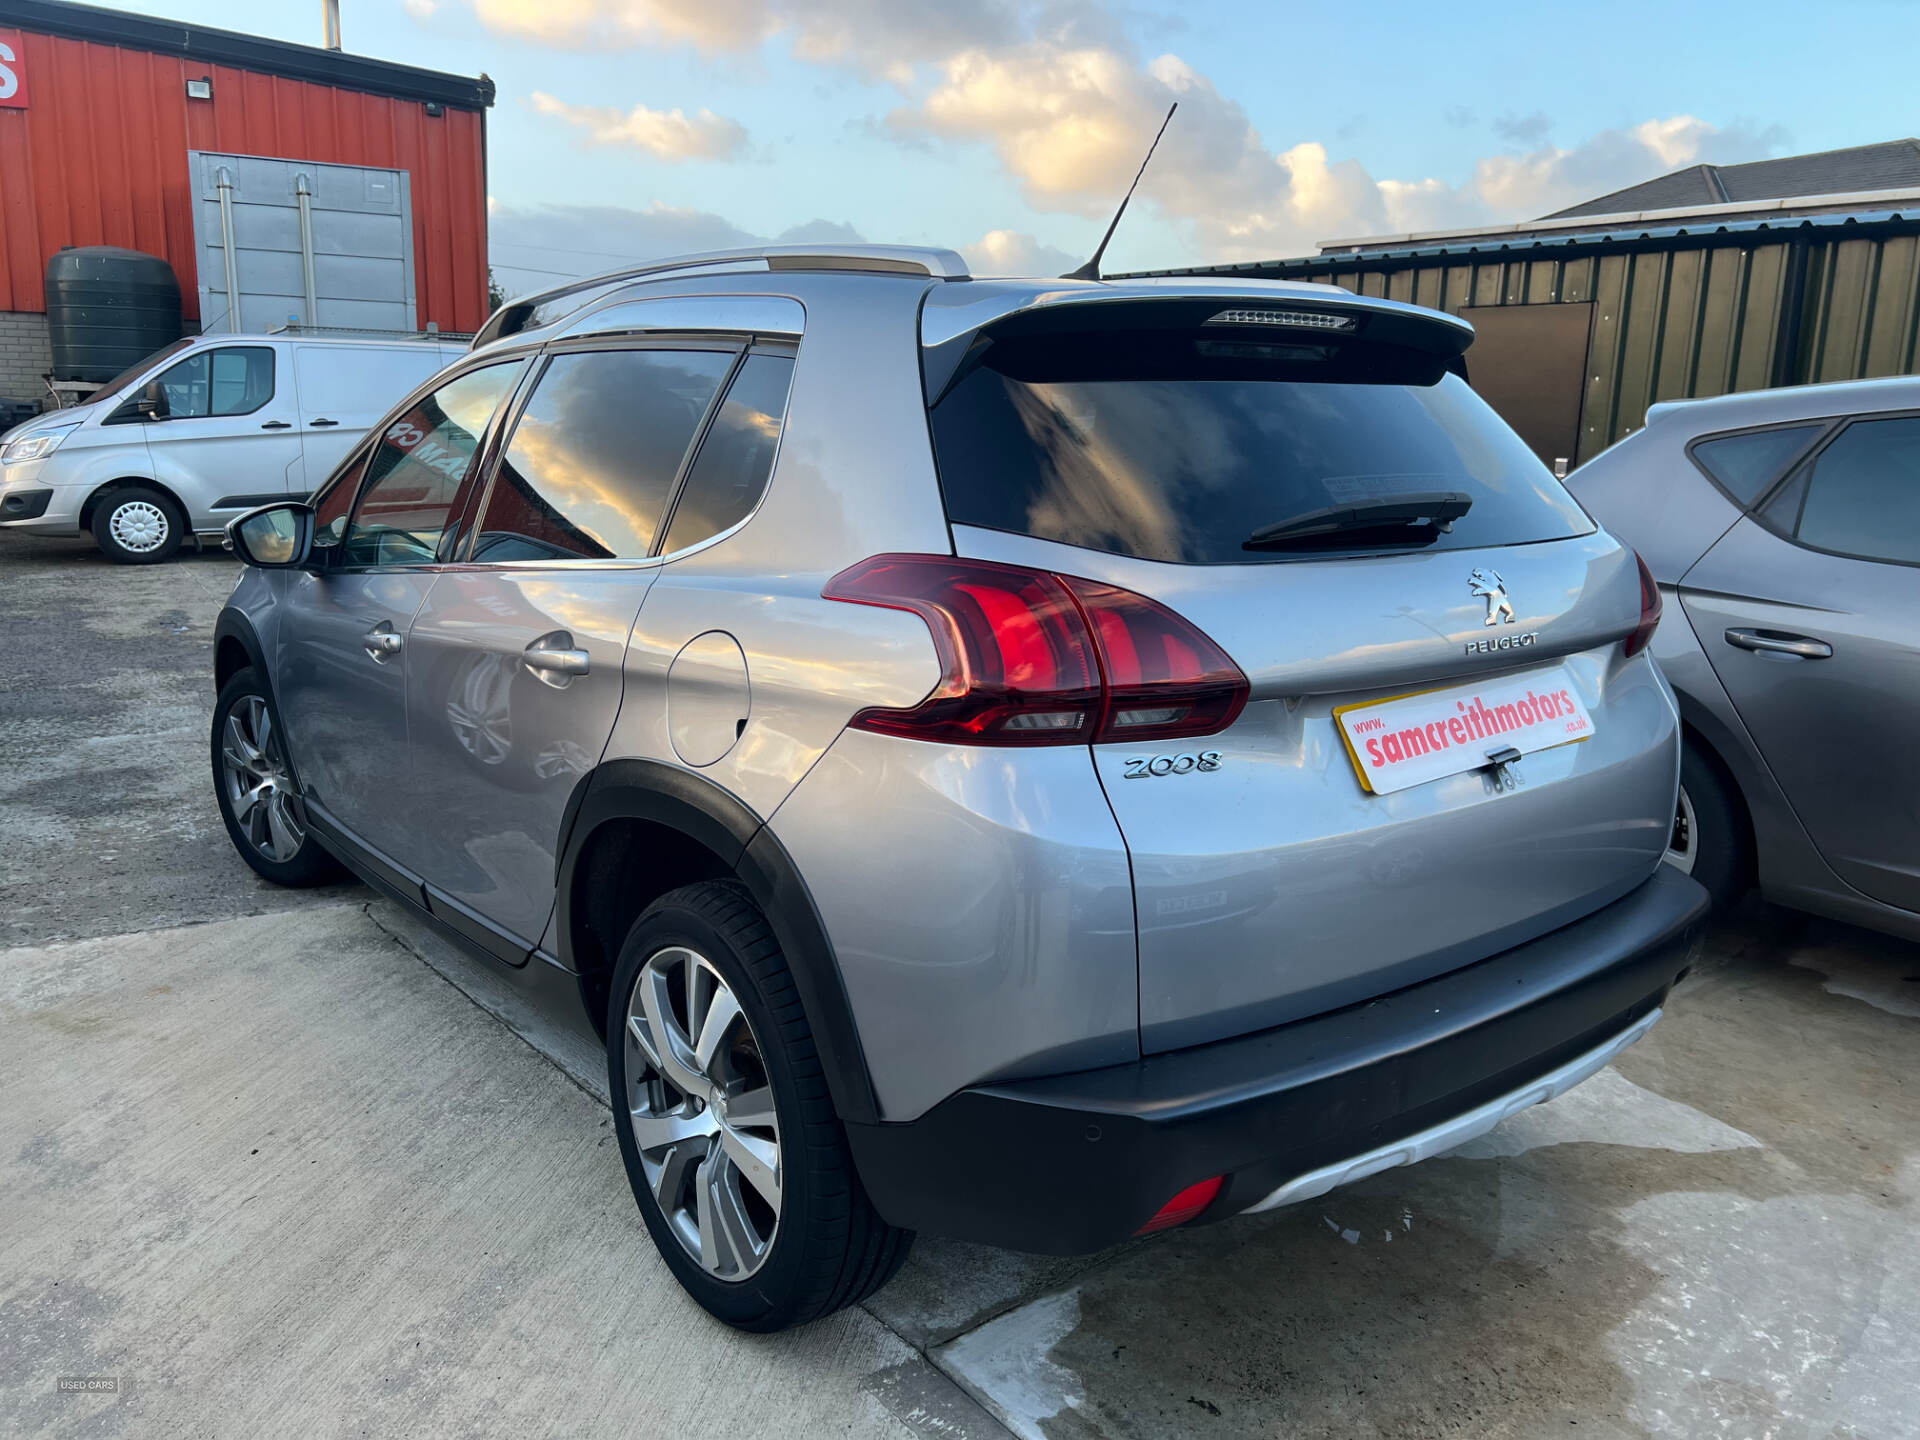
[(1029, 761), (1786, 526), (203, 431)]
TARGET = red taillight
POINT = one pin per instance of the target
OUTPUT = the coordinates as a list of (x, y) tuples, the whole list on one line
[(1184, 1206), (1032, 658), (1649, 610)]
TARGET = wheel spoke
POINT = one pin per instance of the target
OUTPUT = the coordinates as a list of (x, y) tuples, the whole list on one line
[(281, 826), (756, 1159), (263, 727), (722, 1011), (238, 751), (671, 1048), (637, 1032), (652, 1132), (672, 1178), (751, 1109), (730, 1215)]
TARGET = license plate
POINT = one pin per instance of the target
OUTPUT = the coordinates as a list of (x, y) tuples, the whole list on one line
[(1410, 739)]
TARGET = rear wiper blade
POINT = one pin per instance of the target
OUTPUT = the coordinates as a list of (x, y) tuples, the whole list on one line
[(1421, 514)]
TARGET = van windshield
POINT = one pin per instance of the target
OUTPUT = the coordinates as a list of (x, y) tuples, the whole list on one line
[(1179, 448), (127, 376)]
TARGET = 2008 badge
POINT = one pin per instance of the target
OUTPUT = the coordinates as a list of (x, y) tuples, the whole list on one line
[(1148, 767)]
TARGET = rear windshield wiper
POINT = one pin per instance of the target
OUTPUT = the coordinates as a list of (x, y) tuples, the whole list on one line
[(1411, 519)]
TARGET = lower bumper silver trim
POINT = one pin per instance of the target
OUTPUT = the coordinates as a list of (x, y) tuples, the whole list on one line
[(1457, 1131)]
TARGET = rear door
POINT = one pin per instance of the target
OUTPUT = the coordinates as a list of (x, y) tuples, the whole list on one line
[(1271, 878), (517, 655), (1810, 615), (344, 388)]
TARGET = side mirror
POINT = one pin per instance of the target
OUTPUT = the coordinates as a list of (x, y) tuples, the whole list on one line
[(274, 537), (153, 402)]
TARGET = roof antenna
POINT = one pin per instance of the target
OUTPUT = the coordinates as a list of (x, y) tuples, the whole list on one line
[(1091, 270)]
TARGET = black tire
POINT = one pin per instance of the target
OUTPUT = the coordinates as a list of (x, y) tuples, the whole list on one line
[(307, 865), (1722, 838), (830, 1248), (138, 503)]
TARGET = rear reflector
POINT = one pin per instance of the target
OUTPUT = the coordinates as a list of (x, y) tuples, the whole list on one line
[(1650, 606), (1028, 657), (1184, 1206)]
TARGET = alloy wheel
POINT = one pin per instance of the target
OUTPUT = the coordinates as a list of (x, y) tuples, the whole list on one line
[(1683, 844), (138, 526), (703, 1114), (259, 787)]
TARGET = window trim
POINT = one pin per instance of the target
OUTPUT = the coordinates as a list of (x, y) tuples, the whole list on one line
[(438, 381), (1821, 425), (1838, 426), (737, 345)]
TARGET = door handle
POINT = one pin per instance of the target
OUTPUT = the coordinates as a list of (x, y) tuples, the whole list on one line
[(276, 425), (318, 423), (381, 642), (548, 661), (1778, 643)]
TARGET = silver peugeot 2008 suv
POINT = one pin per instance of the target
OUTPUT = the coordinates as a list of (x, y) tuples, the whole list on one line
[(1032, 761)]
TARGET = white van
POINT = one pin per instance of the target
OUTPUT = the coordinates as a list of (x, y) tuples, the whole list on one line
[(202, 431)]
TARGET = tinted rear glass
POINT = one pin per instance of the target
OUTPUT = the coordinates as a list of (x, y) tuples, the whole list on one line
[(1172, 447), (1746, 464)]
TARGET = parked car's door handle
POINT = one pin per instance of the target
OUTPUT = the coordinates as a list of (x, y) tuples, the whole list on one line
[(547, 661), (1780, 643), (381, 641), (317, 423), (277, 425)]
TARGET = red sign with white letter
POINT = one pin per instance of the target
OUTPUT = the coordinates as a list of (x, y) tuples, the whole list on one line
[(13, 71)]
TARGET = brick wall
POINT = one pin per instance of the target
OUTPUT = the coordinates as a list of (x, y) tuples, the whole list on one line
[(25, 356)]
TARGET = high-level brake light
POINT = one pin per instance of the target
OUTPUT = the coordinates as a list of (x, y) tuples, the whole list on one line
[(1029, 657)]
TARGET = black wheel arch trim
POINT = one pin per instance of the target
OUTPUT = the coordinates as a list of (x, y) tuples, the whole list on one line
[(705, 812)]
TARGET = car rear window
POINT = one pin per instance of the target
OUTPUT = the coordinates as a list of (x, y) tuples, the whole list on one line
[(1177, 447), (1745, 464)]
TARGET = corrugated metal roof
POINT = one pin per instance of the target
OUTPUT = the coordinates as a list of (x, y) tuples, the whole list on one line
[(1510, 243), (1889, 165)]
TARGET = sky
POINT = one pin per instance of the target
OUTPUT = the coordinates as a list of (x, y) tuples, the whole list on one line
[(1008, 129)]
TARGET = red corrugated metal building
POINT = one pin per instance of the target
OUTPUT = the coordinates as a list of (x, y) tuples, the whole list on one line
[(97, 115)]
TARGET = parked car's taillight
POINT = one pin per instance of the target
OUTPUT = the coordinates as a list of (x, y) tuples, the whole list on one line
[(1649, 609), (1033, 658)]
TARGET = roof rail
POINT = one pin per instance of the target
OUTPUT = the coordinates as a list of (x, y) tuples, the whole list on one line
[(548, 305)]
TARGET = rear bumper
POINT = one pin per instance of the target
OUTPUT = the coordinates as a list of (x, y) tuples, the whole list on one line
[(1073, 1163)]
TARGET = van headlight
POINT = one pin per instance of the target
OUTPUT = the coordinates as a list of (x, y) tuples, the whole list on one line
[(34, 447)]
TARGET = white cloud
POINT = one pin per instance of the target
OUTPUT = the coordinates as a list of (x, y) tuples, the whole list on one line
[(665, 134), (1014, 252), (422, 9), (879, 36)]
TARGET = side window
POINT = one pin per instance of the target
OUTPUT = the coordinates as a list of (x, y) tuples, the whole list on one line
[(233, 380), (1746, 464), (595, 454), (330, 511), (1863, 492), (418, 469), (736, 458)]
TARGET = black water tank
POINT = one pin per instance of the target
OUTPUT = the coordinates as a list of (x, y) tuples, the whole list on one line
[(108, 309)]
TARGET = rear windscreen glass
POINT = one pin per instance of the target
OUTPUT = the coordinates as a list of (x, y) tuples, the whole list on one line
[(1175, 447)]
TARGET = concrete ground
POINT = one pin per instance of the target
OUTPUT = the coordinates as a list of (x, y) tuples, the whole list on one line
[(281, 1161)]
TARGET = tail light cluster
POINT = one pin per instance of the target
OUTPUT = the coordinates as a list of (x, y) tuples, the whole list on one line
[(1029, 657), (1650, 605)]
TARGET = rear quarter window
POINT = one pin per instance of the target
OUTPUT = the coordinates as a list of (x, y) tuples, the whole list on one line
[(1168, 446)]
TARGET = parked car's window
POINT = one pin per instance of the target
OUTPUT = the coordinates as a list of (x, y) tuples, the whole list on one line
[(595, 452), (419, 467), (232, 380), (1746, 464), (1165, 446), (113, 386), (1863, 492), (731, 470), (331, 509)]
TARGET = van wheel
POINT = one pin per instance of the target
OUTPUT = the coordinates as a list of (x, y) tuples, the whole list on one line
[(1711, 840), (254, 788), (738, 1162), (138, 526)]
